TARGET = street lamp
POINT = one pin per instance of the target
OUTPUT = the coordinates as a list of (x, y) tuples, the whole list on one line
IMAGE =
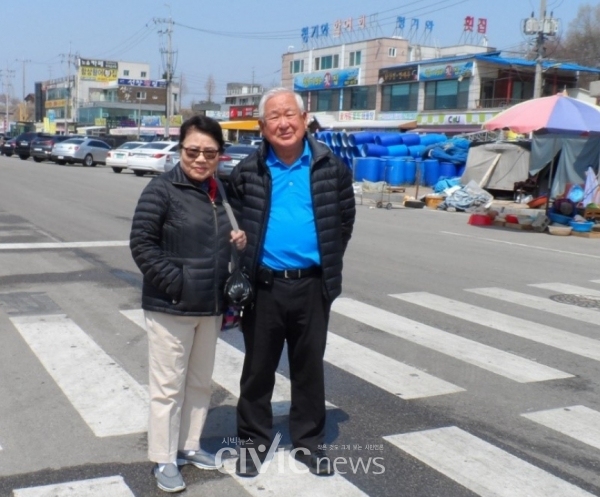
[(139, 114)]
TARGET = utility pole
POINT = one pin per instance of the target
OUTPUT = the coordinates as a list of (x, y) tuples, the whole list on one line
[(541, 28), (168, 54), (23, 62), (7, 85)]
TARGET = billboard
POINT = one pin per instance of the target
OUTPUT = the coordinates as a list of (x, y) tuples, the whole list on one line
[(145, 83), (446, 71), (325, 80), (98, 70)]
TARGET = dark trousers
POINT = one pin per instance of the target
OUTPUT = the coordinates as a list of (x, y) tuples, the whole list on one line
[(297, 312)]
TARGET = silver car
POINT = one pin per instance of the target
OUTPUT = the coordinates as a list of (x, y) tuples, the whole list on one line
[(86, 151), (231, 157)]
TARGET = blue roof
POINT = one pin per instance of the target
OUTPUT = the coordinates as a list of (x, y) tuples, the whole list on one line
[(494, 58)]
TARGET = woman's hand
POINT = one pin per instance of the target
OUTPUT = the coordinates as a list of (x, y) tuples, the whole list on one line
[(238, 238)]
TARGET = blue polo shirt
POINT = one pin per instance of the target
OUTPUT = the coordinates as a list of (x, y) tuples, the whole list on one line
[(291, 238)]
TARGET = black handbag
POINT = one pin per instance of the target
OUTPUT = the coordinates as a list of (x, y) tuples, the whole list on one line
[(238, 289)]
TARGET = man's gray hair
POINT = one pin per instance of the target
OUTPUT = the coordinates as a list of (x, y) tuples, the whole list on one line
[(274, 92)]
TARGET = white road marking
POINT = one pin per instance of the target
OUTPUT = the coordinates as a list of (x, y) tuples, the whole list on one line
[(542, 304), (496, 361), (383, 372), (285, 476), (61, 245), (553, 337), (578, 422), (568, 289), (524, 245), (109, 400), (228, 369), (113, 486), (481, 467)]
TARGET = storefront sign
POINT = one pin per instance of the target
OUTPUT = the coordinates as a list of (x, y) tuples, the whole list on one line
[(243, 111), (397, 116), (324, 80), (147, 83), (53, 104), (446, 71), (98, 70), (361, 115), (450, 119), (398, 74)]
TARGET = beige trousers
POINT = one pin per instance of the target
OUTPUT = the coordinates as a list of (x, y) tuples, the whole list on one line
[(181, 360)]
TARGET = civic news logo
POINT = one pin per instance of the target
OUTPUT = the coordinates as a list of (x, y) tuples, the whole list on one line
[(286, 461)]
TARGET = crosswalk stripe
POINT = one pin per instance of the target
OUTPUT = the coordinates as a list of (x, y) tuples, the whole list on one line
[(109, 400), (383, 372), (547, 335), (497, 361), (285, 476), (578, 422), (481, 467), (568, 289), (539, 303), (114, 486), (228, 368)]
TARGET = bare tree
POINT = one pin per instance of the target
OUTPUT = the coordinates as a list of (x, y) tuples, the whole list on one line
[(210, 87)]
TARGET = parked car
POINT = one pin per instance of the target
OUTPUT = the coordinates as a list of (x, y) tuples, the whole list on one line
[(231, 157), (23, 143), (253, 140), (151, 158), (117, 158), (86, 151), (8, 147), (41, 147)]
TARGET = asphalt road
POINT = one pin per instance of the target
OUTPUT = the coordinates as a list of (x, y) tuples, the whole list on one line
[(462, 360)]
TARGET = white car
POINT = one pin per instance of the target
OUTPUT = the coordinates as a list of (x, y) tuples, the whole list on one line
[(117, 158), (151, 157)]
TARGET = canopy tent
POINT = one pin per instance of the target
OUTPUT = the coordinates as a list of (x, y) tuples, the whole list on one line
[(499, 165), (329, 122), (576, 155)]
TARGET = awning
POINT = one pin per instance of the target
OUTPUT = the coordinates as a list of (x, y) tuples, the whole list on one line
[(250, 125), (455, 129)]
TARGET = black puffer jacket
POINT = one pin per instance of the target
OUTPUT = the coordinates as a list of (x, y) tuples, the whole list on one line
[(333, 205), (180, 241)]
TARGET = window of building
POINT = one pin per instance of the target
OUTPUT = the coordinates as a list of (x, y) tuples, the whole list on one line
[(401, 97), (448, 94), (143, 74), (327, 62), (392, 52), (296, 66), (140, 95), (126, 72), (355, 58), (322, 100), (360, 97)]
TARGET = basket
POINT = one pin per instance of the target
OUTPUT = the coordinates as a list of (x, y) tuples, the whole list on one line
[(480, 220), (582, 227), (560, 230), (559, 218)]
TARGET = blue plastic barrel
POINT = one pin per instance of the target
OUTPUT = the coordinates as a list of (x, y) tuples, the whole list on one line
[(367, 168), (410, 171), (360, 138), (356, 152), (461, 170), (410, 139), (372, 150), (388, 139), (344, 139), (431, 171), (395, 173), (447, 170), (397, 150), (416, 150)]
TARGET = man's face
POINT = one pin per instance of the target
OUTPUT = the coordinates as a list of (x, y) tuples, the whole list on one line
[(283, 125)]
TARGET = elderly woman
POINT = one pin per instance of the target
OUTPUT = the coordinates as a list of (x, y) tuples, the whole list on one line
[(181, 240)]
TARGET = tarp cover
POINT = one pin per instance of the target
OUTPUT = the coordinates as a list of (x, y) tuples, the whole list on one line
[(577, 154), (512, 166)]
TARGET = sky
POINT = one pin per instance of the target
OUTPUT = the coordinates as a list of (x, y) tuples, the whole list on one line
[(230, 40)]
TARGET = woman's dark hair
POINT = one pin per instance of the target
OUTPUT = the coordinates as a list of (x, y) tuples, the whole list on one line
[(205, 125)]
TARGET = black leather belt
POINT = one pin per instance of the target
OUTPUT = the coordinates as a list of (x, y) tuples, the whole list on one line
[(291, 274)]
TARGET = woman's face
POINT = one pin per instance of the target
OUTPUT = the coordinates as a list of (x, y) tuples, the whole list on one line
[(195, 165)]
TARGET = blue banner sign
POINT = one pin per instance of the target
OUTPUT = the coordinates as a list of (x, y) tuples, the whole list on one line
[(325, 80), (446, 71), (148, 83)]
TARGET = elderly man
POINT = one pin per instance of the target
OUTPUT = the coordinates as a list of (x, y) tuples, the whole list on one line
[(297, 205)]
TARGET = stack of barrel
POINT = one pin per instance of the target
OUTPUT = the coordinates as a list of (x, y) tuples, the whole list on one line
[(390, 156)]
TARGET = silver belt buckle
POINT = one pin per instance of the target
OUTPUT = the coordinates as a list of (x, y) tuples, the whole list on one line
[(285, 274)]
